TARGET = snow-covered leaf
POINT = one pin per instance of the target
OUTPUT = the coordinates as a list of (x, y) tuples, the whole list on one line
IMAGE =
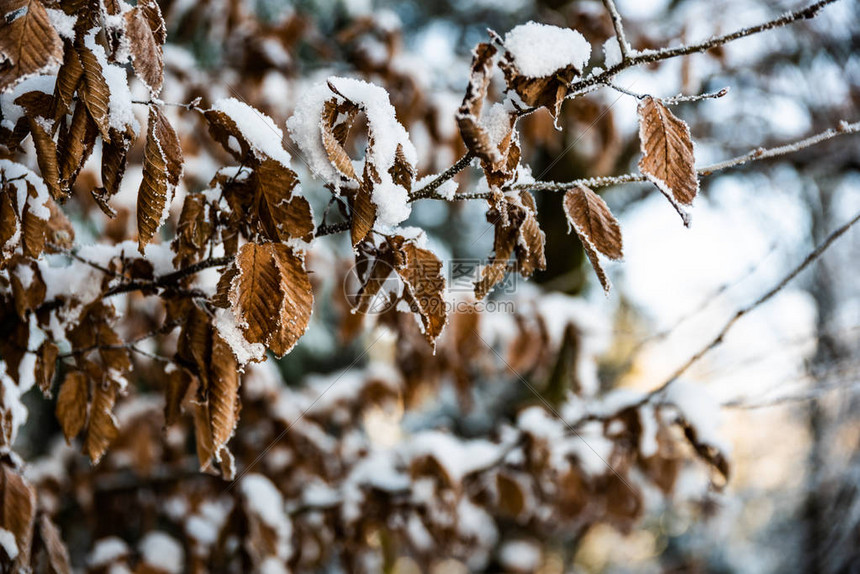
[(28, 42), (667, 150)]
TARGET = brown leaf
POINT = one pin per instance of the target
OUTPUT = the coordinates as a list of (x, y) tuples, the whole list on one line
[(162, 169), (46, 363), (114, 160), (59, 230), (68, 80), (102, 428), (548, 92), (71, 408), (271, 296), (28, 287), (55, 549), (37, 106), (667, 149), (28, 42), (75, 144), (363, 212), (203, 436), (425, 285), (589, 216), (475, 136), (517, 232), (511, 496), (279, 216), (223, 393), (177, 383), (336, 122), (94, 91), (146, 34), (529, 249), (18, 514)]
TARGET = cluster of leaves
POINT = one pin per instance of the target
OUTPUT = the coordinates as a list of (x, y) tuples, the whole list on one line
[(64, 84)]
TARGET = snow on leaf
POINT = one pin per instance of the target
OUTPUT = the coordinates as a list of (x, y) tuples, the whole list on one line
[(425, 285), (320, 126), (71, 407), (540, 62), (255, 133), (28, 42), (162, 169), (146, 31), (18, 513), (95, 91), (271, 296), (667, 149)]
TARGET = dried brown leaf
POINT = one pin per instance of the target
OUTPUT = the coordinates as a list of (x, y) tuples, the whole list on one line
[(46, 363), (28, 42), (71, 408), (425, 285), (55, 548), (162, 169), (336, 121), (102, 428), (667, 149), (223, 392), (589, 216), (18, 514), (271, 295), (146, 34), (94, 91)]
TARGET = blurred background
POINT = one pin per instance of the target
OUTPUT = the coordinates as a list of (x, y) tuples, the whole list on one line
[(787, 375)]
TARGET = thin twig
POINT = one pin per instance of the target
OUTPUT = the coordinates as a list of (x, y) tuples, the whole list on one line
[(331, 229), (583, 85), (430, 189), (619, 29), (754, 155), (695, 97)]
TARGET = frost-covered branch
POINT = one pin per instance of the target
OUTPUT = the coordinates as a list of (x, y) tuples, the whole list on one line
[(753, 155), (584, 85), (619, 29), (429, 190)]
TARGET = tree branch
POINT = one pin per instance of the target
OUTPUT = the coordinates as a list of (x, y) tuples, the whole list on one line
[(619, 29), (583, 85), (753, 155), (429, 190)]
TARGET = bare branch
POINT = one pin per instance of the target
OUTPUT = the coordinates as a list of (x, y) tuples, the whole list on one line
[(619, 29), (584, 85), (429, 190), (754, 155)]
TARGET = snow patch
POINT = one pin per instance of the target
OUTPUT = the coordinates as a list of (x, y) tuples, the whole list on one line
[(539, 50)]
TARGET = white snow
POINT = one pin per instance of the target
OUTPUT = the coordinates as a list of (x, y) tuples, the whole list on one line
[(648, 439), (107, 550), (458, 457), (120, 110), (701, 409), (611, 52), (163, 552), (258, 129), (520, 555), (7, 541), (266, 502), (12, 112), (63, 23), (539, 50), (387, 133), (230, 330), (39, 204)]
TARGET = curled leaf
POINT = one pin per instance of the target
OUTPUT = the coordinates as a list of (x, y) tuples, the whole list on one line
[(162, 169)]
